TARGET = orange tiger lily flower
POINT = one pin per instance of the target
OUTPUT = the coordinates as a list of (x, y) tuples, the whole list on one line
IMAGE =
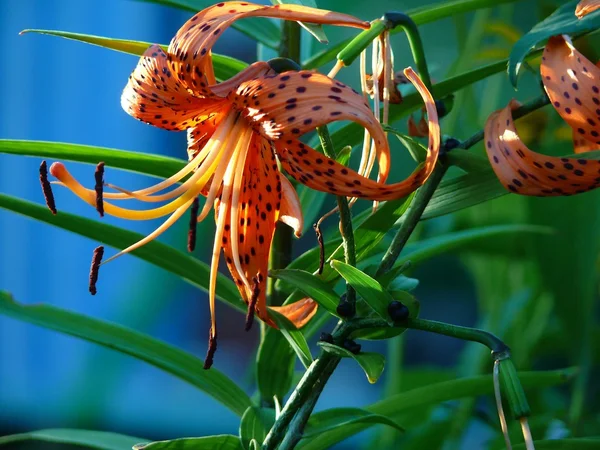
[(236, 130), (572, 83)]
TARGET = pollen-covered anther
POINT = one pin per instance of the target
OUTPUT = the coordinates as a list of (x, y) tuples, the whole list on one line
[(95, 268), (212, 348), (252, 303), (47, 188), (99, 188), (191, 243), (317, 229)]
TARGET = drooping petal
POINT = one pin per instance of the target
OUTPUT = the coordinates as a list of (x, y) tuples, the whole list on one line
[(525, 172), (573, 86), (584, 7), (300, 312), (189, 51), (154, 95), (291, 209), (290, 104)]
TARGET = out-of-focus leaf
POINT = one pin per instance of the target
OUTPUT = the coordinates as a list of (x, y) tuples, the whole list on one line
[(331, 419), (154, 165), (314, 29), (368, 288), (311, 285), (274, 367), (434, 394), (225, 66), (143, 347), (294, 337), (256, 28), (468, 161), (254, 426), (565, 444), (421, 16), (220, 442), (562, 21), (188, 268), (101, 440), (371, 363)]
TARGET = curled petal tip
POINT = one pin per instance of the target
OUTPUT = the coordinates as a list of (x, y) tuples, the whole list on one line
[(586, 7)]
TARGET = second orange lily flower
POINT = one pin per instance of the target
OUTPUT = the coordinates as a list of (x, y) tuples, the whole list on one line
[(237, 131)]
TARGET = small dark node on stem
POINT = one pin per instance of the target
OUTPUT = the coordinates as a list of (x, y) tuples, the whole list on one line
[(444, 106), (252, 304), (99, 188), (345, 309), (95, 268), (398, 311), (212, 348), (394, 18), (191, 242), (352, 346), (280, 65), (326, 337), (449, 144), (47, 188), (317, 229)]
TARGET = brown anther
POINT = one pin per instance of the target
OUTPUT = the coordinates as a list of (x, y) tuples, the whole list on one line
[(191, 243), (395, 95), (252, 304), (418, 129), (99, 188), (212, 348), (317, 229), (95, 268), (47, 188)]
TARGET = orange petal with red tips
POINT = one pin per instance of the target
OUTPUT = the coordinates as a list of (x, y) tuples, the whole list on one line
[(260, 202), (584, 7), (189, 51), (287, 105), (300, 312), (572, 83), (153, 95), (525, 172)]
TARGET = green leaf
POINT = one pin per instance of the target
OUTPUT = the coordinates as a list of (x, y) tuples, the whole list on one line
[(188, 268), (420, 16), (274, 367), (562, 21), (368, 288), (564, 444), (220, 442), (311, 285), (256, 28), (154, 165), (101, 440), (164, 356), (314, 29), (371, 363), (294, 337), (396, 406), (255, 424), (225, 66), (331, 419)]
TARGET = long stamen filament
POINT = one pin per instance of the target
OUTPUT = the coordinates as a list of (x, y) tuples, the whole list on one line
[(333, 72)]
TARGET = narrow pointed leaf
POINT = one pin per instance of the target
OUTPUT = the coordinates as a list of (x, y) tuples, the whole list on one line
[(331, 419), (562, 21), (187, 267), (220, 442), (371, 363), (274, 367), (225, 66), (256, 28), (164, 356), (311, 285), (368, 288), (433, 394), (100, 440), (255, 424), (294, 337)]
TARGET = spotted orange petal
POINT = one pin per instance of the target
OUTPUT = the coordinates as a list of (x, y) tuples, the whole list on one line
[(584, 7), (153, 95), (300, 312), (288, 105), (582, 145), (573, 85), (525, 172), (189, 51)]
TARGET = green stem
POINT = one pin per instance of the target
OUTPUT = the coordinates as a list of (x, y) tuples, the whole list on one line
[(412, 218), (465, 333), (290, 41), (345, 216)]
